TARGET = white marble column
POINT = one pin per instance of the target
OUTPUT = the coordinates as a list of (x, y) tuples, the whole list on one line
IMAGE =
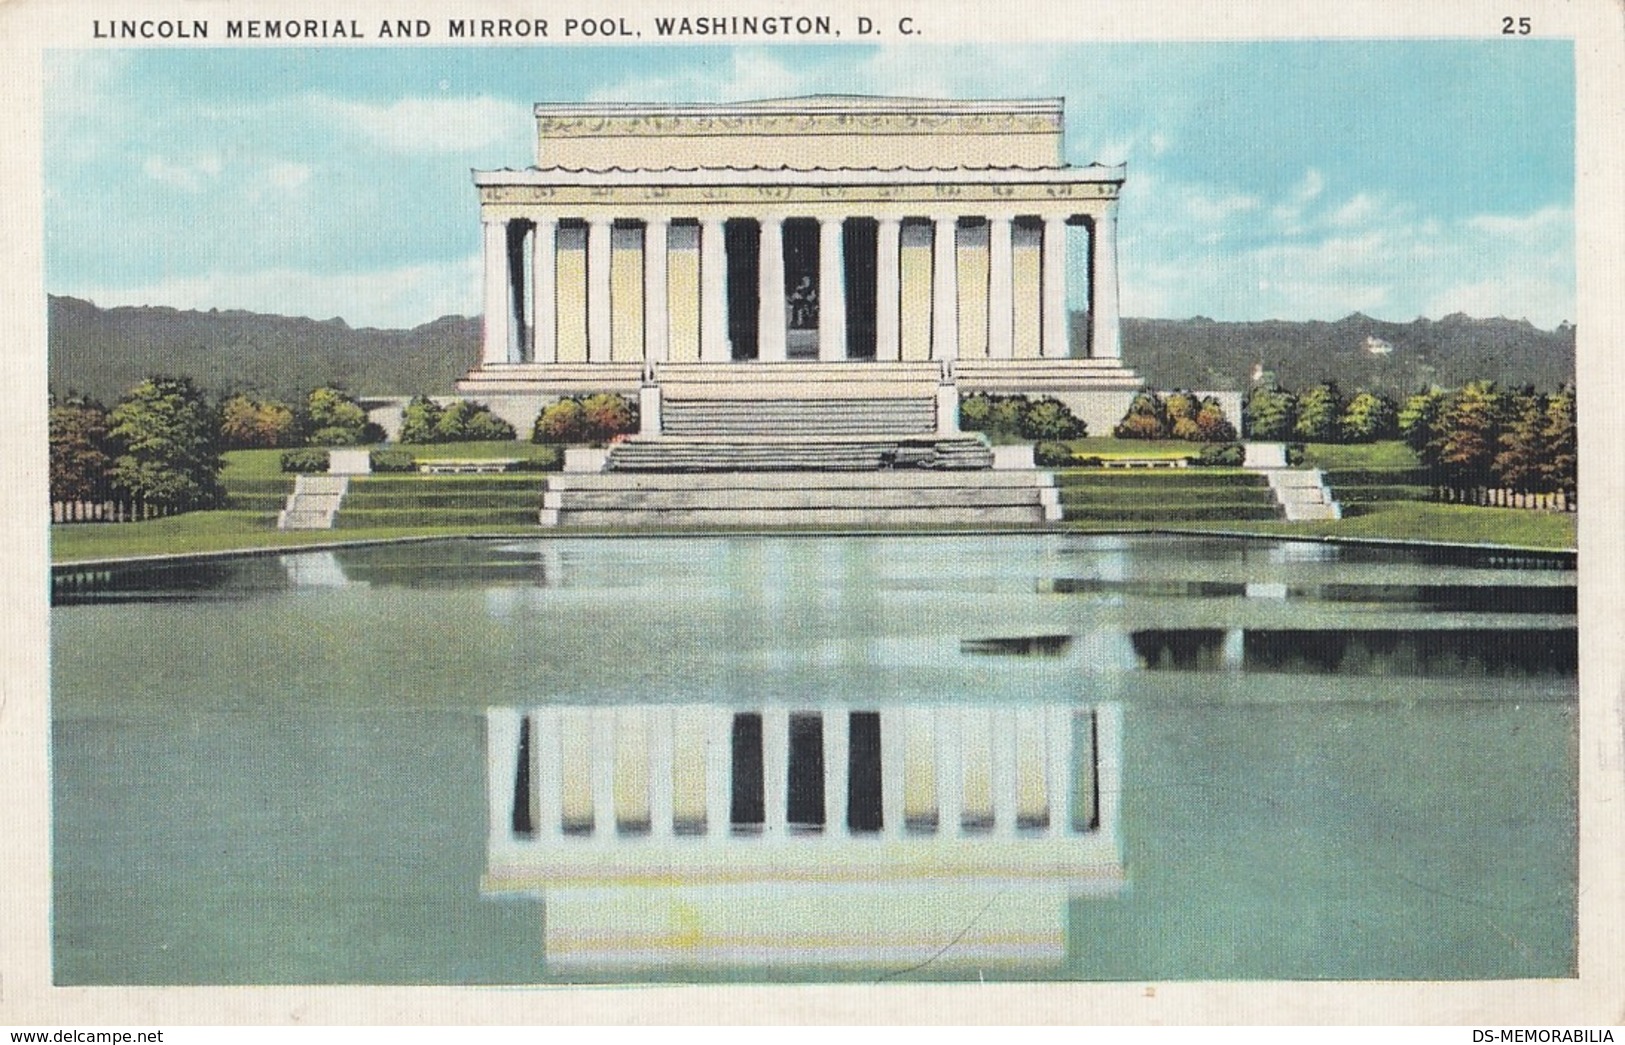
[(1055, 342), (655, 314), (498, 298), (1105, 338), (770, 315), (888, 288), (1001, 295), (544, 347), (599, 316), (831, 289), (713, 292), (945, 287)]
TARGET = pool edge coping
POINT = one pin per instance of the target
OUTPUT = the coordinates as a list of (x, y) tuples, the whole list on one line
[(181, 558)]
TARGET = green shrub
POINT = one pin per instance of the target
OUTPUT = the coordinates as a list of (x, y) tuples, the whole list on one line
[(596, 418), (1294, 454), (1018, 417), (1052, 455), (1226, 455), (304, 461), (335, 436), (425, 421), (1050, 419), (393, 460)]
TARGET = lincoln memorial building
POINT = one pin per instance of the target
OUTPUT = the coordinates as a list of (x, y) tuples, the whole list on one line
[(801, 250)]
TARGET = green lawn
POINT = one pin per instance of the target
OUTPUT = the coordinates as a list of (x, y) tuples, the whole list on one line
[(1388, 454), (197, 532), (257, 476), (1423, 521)]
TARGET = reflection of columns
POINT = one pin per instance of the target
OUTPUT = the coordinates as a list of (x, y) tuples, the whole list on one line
[(546, 756), (498, 319), (1061, 767), (1055, 333), (837, 769), (888, 287), (544, 297), (713, 292), (892, 757), (775, 769), (1104, 336), (655, 323), (945, 288), (770, 321), (831, 290), (1000, 289), (598, 304), (950, 773)]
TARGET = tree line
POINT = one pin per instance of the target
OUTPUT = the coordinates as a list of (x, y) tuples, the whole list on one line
[(1475, 437), (158, 450)]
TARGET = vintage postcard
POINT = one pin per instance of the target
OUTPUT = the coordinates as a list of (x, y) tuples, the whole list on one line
[(808, 512)]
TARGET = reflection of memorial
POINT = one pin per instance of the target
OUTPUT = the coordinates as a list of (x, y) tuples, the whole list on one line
[(694, 834)]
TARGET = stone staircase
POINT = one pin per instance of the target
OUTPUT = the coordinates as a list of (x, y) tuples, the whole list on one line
[(314, 502), (777, 454), (1303, 494), (799, 417), (889, 497)]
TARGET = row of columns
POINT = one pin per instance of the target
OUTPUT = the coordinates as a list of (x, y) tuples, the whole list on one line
[(600, 773), (504, 311)]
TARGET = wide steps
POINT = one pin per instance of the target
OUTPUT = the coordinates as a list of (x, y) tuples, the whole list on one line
[(718, 455), (776, 517), (795, 500), (892, 479), (780, 417)]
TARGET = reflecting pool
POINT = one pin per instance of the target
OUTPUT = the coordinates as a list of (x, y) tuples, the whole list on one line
[(816, 758)]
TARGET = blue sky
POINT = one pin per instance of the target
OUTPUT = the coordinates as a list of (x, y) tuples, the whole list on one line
[(1286, 180)]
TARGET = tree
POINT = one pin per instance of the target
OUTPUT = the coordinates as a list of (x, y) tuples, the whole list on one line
[(1269, 413), (82, 451), (1147, 418), (560, 422), (249, 423), (419, 420), (169, 437), (1522, 448), (334, 418), (1319, 411), (1419, 418), (1049, 419), (1211, 424), (607, 415), (1469, 428), (1560, 464), (1368, 417), (464, 420)]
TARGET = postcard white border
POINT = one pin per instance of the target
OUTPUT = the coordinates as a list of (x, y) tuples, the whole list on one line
[(1596, 997)]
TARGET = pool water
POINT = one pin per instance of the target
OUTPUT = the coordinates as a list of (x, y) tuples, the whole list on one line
[(1329, 761)]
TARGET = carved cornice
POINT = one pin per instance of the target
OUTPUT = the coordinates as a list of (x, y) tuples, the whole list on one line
[(748, 197), (800, 124)]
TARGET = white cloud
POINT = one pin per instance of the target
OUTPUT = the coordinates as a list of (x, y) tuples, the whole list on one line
[(425, 125), (400, 297), (187, 175), (288, 175), (1200, 250)]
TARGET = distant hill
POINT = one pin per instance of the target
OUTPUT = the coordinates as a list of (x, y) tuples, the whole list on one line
[(1356, 351), (102, 352)]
